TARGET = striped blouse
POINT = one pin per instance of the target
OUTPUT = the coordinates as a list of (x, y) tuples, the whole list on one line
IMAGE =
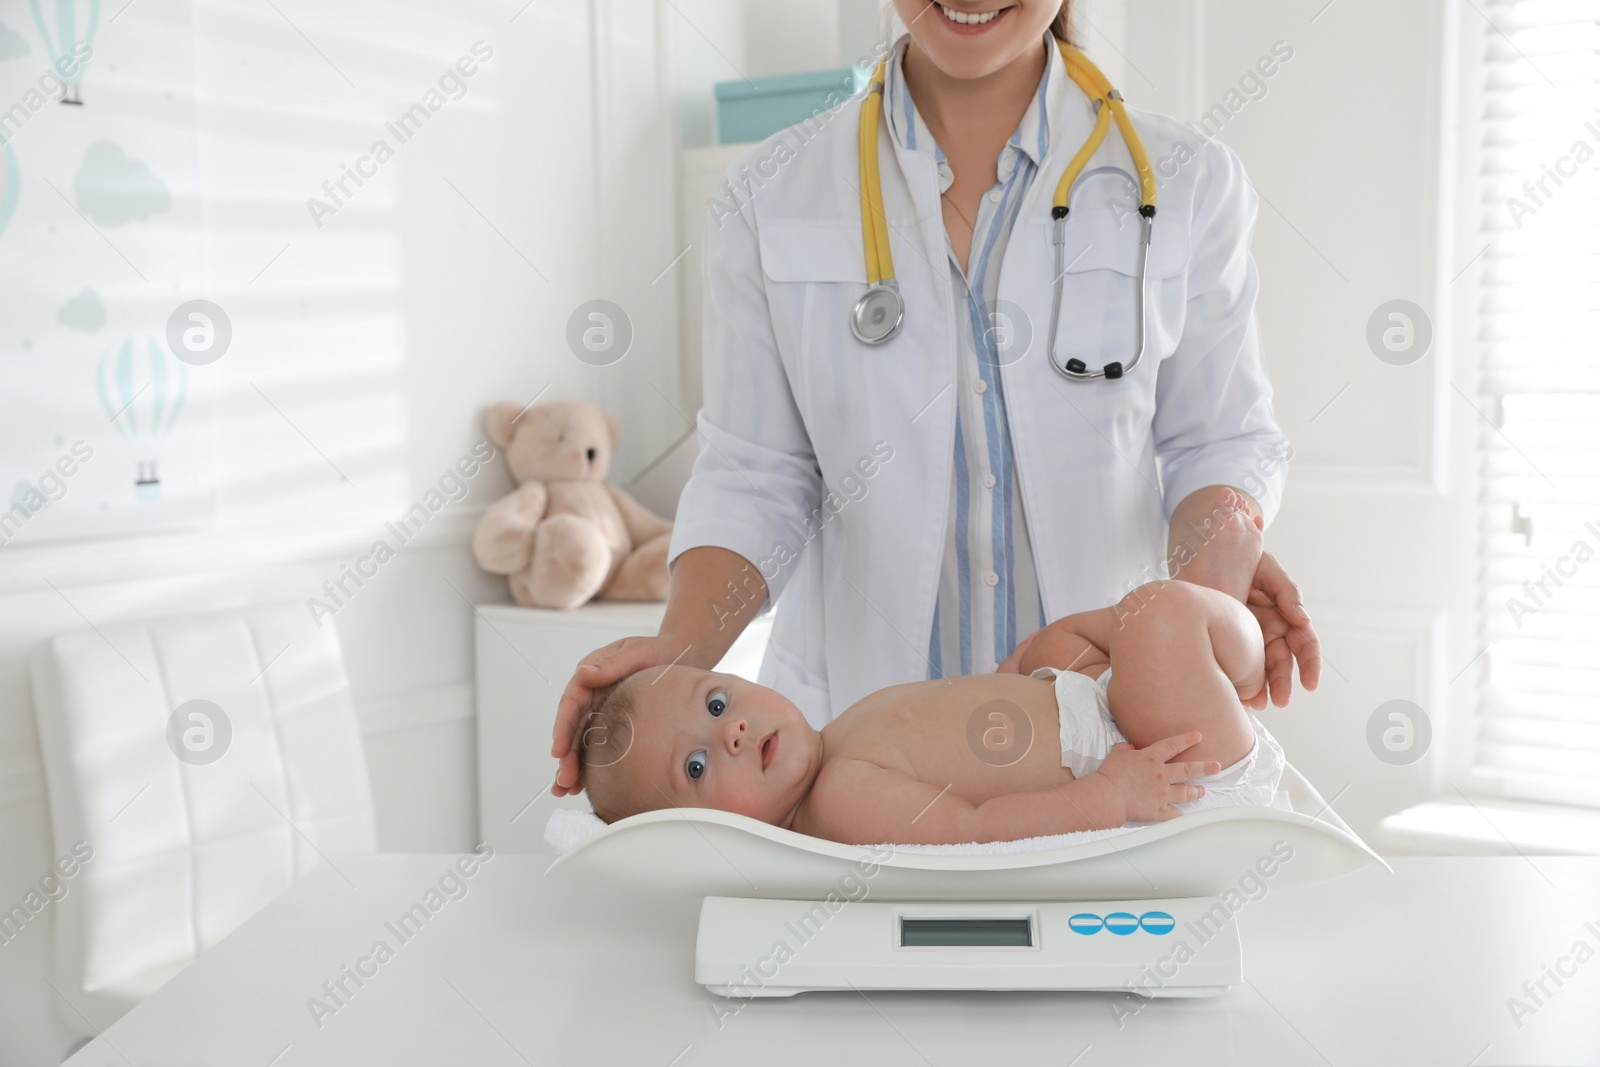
[(988, 596)]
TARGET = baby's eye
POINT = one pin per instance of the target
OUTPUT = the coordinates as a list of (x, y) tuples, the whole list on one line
[(717, 702), (695, 766)]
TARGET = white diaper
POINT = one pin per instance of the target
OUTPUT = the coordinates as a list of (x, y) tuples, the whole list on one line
[(1088, 732), (1087, 729)]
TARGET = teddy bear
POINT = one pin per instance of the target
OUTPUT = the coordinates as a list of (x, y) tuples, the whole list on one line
[(564, 537)]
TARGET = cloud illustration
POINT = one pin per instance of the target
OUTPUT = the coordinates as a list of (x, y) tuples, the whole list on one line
[(83, 312), (12, 44), (114, 190)]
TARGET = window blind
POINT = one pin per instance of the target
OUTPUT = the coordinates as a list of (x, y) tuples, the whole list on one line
[(1539, 315)]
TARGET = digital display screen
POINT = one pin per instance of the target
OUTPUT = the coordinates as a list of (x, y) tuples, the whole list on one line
[(968, 932)]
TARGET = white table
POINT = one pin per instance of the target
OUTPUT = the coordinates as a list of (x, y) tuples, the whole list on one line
[(533, 969)]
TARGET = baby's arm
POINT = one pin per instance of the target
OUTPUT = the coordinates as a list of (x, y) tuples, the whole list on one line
[(861, 803)]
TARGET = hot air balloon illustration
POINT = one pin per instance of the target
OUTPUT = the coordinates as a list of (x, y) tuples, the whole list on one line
[(10, 184), (69, 52), (142, 397)]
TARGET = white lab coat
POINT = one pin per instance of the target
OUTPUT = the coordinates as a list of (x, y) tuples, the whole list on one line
[(797, 411)]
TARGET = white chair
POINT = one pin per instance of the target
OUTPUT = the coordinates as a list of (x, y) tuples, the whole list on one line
[(194, 821)]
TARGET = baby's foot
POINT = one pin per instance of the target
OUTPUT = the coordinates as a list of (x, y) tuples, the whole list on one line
[(1224, 552)]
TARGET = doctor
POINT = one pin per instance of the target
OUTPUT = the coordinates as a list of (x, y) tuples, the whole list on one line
[(930, 481)]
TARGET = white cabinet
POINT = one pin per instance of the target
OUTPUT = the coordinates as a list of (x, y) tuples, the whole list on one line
[(524, 658)]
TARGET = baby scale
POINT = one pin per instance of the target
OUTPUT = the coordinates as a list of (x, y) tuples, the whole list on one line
[(1149, 910)]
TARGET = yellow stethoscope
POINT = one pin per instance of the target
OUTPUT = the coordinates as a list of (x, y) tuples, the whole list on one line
[(878, 314)]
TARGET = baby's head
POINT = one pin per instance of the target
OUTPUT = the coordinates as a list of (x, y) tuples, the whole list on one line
[(682, 737)]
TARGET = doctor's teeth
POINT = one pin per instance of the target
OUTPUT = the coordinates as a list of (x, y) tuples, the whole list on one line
[(967, 20)]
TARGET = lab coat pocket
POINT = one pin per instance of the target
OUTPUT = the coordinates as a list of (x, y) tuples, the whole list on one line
[(1100, 286), (815, 271), (798, 251)]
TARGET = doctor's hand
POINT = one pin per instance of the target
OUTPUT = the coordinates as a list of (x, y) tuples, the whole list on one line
[(1287, 633), (597, 675)]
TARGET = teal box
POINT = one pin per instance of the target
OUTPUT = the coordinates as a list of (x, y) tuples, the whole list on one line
[(755, 109)]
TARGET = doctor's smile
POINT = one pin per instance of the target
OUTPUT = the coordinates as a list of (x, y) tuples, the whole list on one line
[(969, 22)]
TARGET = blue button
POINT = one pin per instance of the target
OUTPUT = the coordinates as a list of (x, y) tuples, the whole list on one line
[(1121, 922), (1157, 922), (1086, 923)]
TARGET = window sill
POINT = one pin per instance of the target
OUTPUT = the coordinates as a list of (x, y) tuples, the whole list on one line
[(1490, 828)]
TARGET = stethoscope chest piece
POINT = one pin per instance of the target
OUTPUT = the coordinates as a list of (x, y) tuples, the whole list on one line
[(878, 314)]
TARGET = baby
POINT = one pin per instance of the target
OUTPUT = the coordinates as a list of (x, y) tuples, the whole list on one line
[(1058, 746)]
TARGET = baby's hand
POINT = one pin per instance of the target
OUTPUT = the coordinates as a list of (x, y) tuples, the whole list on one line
[(1148, 784)]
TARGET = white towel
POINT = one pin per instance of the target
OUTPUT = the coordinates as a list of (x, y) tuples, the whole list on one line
[(570, 827)]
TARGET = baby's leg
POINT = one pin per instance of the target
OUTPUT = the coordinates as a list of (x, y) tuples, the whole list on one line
[(1180, 656), (1058, 646)]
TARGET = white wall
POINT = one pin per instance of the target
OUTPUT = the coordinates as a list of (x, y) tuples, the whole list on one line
[(711, 41)]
